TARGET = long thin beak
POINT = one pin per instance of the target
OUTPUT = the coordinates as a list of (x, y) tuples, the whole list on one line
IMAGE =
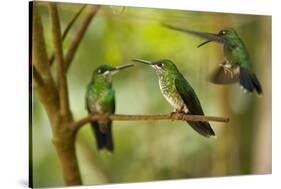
[(118, 68), (143, 61), (204, 35), (204, 43), (124, 66)]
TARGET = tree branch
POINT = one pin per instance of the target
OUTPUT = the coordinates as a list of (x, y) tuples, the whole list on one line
[(37, 77), (48, 92), (118, 117), (66, 30), (39, 54), (61, 76), (79, 35)]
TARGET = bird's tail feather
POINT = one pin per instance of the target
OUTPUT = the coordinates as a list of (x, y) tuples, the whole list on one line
[(249, 81), (203, 128), (103, 139)]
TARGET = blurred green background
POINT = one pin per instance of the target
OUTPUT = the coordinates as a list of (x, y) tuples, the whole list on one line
[(157, 150)]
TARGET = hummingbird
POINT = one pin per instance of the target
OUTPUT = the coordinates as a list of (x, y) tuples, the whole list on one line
[(236, 66), (100, 98), (179, 93)]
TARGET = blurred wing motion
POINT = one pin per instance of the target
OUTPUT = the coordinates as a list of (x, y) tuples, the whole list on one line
[(194, 107), (231, 73), (223, 75), (204, 35)]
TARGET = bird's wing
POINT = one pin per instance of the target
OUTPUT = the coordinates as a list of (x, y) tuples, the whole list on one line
[(222, 75), (190, 99), (188, 96), (87, 98), (113, 106), (109, 103)]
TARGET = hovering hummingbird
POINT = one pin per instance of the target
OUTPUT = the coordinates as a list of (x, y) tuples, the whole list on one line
[(178, 92), (236, 65), (100, 98)]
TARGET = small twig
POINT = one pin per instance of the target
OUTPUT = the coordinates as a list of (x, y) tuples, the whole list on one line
[(69, 25), (61, 76), (118, 117), (66, 30), (79, 35)]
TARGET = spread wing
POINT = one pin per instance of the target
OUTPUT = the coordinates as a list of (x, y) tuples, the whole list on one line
[(223, 76)]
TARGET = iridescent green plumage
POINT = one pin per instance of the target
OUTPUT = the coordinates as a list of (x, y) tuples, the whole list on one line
[(178, 92), (236, 66), (100, 98)]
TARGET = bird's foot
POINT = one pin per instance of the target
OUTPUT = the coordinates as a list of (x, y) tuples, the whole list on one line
[(172, 114), (106, 115), (227, 69)]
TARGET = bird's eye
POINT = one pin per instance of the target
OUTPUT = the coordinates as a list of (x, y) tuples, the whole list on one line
[(160, 65), (99, 71), (222, 32)]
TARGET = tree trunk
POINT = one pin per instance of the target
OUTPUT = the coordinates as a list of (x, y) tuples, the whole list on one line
[(63, 136), (64, 141)]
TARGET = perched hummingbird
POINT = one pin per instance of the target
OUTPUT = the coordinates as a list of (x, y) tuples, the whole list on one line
[(178, 92), (100, 98), (236, 65)]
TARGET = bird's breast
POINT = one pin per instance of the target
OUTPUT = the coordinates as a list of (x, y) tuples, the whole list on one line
[(97, 101), (170, 93)]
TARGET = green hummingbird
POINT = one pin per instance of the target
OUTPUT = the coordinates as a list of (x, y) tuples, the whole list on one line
[(100, 98), (236, 66), (178, 92)]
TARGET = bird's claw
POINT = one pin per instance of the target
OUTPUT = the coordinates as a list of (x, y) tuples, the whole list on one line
[(227, 69), (172, 114), (107, 114)]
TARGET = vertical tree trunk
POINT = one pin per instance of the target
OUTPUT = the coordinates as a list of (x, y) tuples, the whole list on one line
[(63, 137), (64, 141)]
